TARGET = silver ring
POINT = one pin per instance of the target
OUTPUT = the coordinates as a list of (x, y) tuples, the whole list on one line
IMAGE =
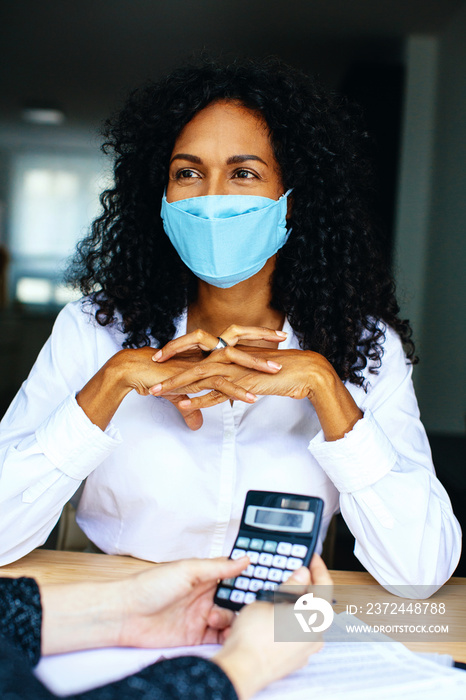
[(220, 345)]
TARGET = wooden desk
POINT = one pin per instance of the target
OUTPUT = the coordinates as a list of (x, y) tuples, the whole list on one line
[(48, 566), (64, 567)]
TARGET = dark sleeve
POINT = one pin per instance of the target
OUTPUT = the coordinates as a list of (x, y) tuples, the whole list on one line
[(173, 679), (21, 616)]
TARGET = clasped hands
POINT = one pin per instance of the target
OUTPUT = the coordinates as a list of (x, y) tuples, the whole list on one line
[(237, 372)]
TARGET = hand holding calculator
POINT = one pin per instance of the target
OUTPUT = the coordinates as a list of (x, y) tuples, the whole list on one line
[(278, 532)]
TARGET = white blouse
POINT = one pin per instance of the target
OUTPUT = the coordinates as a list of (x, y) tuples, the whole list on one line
[(150, 487)]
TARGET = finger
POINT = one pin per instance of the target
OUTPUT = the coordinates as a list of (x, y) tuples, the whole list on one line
[(193, 419), (213, 398), (203, 376), (192, 415), (226, 390), (212, 636), (211, 570), (234, 333), (224, 634), (197, 339), (232, 355), (319, 572), (220, 618)]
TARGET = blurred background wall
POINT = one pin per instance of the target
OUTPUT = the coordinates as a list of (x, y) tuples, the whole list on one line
[(403, 60)]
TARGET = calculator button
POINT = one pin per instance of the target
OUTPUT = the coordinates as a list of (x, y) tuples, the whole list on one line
[(256, 585), (242, 582), (242, 542), (256, 544), (275, 575), (237, 554), (253, 557), (284, 548), (286, 575), (261, 572), (266, 559), (293, 563), (270, 546), (279, 562), (237, 597), (269, 586), (249, 571), (299, 550), (249, 598), (229, 582), (223, 593)]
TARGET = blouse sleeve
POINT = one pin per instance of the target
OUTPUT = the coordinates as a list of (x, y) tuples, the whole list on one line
[(399, 513), (48, 445)]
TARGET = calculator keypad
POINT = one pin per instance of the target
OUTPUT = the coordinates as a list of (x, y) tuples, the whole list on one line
[(272, 563)]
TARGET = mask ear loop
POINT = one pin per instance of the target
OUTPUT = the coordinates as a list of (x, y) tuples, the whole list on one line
[(289, 207)]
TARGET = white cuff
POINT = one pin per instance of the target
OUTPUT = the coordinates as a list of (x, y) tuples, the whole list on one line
[(359, 459), (72, 442)]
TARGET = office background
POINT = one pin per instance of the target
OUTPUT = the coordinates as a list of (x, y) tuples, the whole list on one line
[(403, 60)]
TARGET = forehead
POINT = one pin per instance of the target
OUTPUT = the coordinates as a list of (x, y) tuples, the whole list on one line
[(227, 124)]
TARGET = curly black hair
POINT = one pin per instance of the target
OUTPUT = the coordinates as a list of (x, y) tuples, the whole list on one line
[(330, 279)]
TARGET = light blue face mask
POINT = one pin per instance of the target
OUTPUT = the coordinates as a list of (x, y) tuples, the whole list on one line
[(225, 239)]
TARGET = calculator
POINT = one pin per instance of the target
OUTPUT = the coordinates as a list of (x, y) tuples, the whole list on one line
[(278, 532)]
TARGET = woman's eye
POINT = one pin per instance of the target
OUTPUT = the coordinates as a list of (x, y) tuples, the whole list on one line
[(186, 174), (244, 174)]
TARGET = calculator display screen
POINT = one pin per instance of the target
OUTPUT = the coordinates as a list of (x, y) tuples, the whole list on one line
[(275, 517), (279, 519)]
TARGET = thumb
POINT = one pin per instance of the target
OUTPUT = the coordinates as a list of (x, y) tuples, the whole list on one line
[(192, 416), (301, 576)]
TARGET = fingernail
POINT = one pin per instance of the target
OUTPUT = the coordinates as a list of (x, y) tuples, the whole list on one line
[(156, 389), (283, 334), (157, 356), (186, 403), (251, 397), (273, 365)]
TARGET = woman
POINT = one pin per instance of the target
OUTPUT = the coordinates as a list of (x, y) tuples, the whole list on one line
[(263, 239), (165, 606)]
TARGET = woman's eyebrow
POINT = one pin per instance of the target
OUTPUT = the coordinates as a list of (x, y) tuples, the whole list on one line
[(230, 161), (186, 156), (242, 159)]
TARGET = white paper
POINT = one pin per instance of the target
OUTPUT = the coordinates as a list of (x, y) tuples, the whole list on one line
[(341, 671)]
